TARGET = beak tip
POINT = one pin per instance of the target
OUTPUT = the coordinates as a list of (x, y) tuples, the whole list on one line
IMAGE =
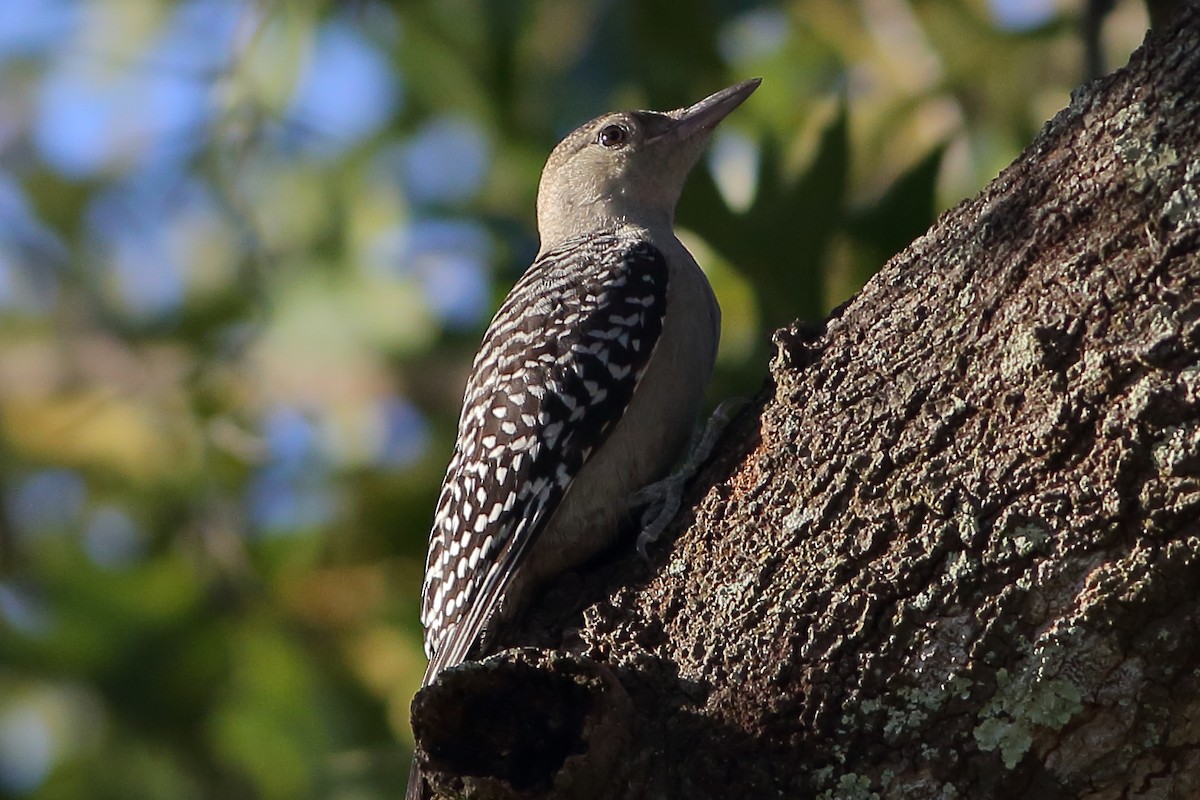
[(745, 88), (706, 114)]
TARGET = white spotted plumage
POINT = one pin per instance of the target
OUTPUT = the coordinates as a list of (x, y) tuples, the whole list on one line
[(557, 368)]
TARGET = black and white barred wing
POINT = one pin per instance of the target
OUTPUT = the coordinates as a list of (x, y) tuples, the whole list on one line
[(557, 368)]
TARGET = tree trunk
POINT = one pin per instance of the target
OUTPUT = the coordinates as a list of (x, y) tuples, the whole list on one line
[(954, 548)]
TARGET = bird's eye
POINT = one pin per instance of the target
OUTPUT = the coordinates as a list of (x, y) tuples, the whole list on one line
[(612, 136)]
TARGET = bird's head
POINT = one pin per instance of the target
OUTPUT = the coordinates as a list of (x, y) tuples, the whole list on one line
[(627, 167)]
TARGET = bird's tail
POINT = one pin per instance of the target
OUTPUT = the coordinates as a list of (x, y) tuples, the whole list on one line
[(416, 782)]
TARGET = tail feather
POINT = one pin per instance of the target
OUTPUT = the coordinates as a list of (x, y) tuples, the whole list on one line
[(416, 782)]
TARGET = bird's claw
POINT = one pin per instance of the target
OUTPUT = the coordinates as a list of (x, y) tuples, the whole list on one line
[(662, 499)]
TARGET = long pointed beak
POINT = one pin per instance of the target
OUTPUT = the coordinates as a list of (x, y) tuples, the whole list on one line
[(702, 117)]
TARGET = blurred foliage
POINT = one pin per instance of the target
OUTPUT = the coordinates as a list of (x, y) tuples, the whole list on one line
[(246, 251)]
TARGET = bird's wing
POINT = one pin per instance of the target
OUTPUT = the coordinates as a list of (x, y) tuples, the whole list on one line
[(557, 368)]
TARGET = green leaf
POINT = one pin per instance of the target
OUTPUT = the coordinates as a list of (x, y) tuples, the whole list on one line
[(904, 212), (780, 243)]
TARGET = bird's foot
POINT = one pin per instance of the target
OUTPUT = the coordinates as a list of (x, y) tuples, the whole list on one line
[(662, 499)]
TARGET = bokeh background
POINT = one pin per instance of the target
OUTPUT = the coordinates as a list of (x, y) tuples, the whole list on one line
[(246, 252)]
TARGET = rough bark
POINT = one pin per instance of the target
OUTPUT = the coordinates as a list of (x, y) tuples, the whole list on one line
[(954, 548)]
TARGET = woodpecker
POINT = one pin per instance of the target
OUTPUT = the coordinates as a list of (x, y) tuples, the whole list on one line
[(587, 383)]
